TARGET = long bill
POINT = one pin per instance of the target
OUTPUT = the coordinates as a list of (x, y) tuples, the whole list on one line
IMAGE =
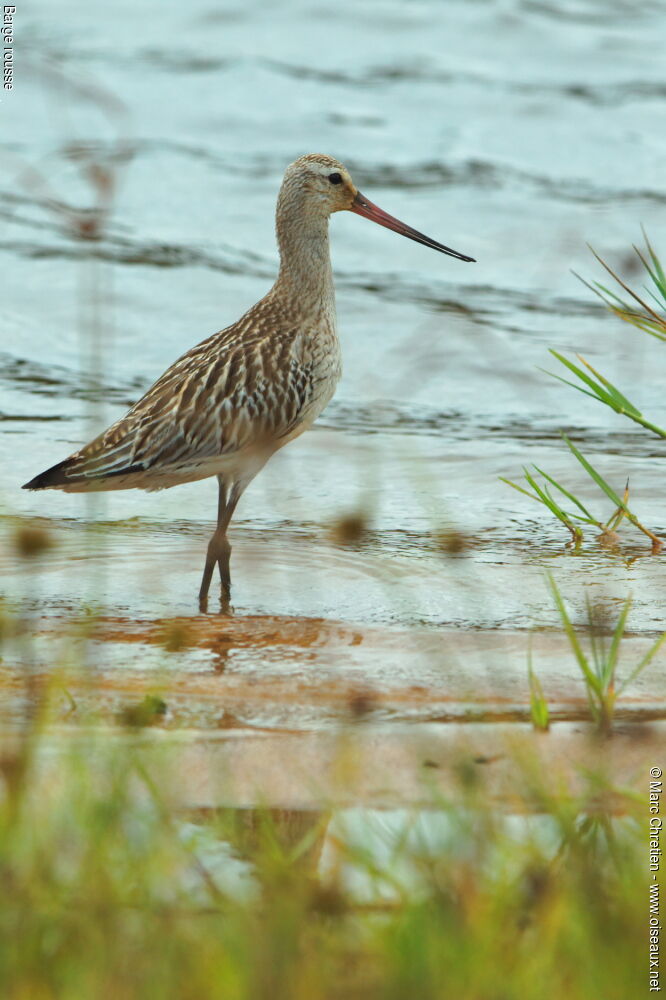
[(362, 206)]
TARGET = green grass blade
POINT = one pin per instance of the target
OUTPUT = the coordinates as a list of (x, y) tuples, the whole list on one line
[(653, 276), (599, 480), (644, 317), (515, 486), (626, 287), (648, 326), (649, 656), (571, 635), (660, 305), (618, 633), (579, 388), (570, 496), (612, 389), (545, 498), (598, 646), (657, 543), (597, 390), (538, 704), (661, 284), (541, 498), (609, 296)]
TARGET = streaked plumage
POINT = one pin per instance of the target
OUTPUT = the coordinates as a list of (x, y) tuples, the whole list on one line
[(232, 401)]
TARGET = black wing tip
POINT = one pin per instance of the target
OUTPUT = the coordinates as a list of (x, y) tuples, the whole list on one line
[(57, 477), (53, 477)]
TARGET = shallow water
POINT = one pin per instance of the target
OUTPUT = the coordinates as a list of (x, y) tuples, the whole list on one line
[(515, 132)]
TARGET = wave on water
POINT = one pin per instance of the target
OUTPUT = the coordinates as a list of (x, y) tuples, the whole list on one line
[(607, 94)]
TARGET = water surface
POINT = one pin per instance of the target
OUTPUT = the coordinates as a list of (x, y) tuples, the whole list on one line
[(515, 132)]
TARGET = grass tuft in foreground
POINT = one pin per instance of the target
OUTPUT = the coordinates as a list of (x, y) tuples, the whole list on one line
[(598, 666), (538, 705), (590, 382), (109, 893), (573, 518), (637, 310)]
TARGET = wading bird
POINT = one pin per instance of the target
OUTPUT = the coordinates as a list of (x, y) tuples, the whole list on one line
[(232, 401)]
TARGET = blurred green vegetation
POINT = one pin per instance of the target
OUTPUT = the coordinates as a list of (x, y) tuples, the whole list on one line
[(110, 892)]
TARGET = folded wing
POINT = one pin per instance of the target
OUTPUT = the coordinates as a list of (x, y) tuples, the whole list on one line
[(230, 395)]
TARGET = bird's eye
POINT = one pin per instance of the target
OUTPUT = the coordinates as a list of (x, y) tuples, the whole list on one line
[(335, 178)]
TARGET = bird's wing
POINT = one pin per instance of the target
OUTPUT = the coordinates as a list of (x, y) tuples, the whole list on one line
[(234, 391)]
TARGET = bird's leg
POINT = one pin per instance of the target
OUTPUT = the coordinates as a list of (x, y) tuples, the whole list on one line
[(219, 549), (219, 553)]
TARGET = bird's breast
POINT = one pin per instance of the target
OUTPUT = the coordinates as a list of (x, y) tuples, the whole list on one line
[(321, 353)]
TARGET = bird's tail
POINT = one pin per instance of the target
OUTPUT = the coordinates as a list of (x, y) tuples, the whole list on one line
[(74, 476), (54, 478)]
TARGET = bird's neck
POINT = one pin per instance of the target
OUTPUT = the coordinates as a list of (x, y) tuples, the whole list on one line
[(305, 276)]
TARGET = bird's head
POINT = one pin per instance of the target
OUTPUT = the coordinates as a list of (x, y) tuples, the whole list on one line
[(318, 185)]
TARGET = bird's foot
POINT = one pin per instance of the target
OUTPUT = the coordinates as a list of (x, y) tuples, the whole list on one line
[(219, 553)]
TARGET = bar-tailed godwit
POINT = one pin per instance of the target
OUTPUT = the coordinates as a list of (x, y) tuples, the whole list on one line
[(224, 408)]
